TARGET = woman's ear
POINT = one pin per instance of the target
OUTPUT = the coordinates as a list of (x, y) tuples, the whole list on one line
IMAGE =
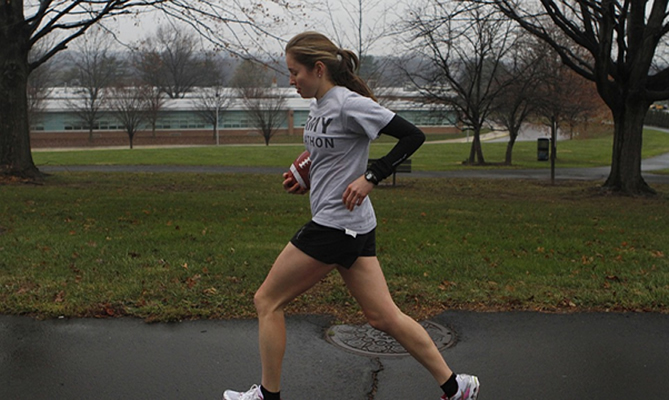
[(319, 68)]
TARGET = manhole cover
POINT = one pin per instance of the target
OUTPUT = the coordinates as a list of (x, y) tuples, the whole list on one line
[(364, 339)]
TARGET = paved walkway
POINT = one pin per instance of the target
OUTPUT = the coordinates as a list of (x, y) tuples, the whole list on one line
[(528, 134), (595, 174), (517, 355)]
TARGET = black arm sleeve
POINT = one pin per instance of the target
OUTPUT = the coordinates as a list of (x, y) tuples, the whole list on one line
[(410, 138)]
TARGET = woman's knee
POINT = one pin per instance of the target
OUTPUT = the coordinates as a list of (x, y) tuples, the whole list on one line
[(265, 303), (385, 322)]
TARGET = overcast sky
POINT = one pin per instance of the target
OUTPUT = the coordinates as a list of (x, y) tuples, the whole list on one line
[(335, 18)]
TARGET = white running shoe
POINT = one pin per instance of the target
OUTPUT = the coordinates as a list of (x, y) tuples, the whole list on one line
[(254, 393), (468, 388)]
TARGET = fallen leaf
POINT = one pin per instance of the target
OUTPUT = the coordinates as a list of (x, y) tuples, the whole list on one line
[(60, 296), (210, 291)]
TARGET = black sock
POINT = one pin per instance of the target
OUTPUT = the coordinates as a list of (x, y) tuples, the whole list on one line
[(450, 387), (267, 395)]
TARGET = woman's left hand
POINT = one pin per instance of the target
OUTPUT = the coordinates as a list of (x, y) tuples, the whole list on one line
[(356, 192), (291, 186)]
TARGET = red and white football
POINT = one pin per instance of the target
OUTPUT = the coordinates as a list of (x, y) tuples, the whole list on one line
[(299, 170)]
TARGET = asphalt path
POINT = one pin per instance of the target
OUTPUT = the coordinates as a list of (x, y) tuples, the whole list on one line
[(517, 355), (529, 132), (591, 174)]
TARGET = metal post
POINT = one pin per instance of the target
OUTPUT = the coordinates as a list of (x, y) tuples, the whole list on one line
[(216, 127), (554, 128)]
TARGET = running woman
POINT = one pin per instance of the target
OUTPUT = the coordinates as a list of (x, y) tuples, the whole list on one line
[(343, 119)]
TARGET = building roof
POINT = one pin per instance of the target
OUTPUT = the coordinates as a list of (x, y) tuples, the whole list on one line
[(60, 99)]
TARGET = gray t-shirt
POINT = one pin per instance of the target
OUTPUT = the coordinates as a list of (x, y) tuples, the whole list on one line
[(338, 132)]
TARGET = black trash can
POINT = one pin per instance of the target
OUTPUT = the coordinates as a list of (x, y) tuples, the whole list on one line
[(542, 149)]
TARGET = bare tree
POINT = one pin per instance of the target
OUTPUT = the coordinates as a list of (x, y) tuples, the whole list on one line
[(251, 74), (129, 106), (210, 104), (39, 88), (37, 94), (465, 48), (266, 108), (171, 60), (562, 98), (264, 102), (360, 25), (95, 70), (155, 100), (620, 39), (25, 24), (518, 101), (366, 23)]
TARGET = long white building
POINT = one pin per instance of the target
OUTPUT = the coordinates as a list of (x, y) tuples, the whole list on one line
[(181, 121)]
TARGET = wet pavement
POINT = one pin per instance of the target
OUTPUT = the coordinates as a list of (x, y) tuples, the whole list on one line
[(517, 355), (591, 174)]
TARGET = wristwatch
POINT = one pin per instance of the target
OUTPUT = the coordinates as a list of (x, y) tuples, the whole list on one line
[(371, 177)]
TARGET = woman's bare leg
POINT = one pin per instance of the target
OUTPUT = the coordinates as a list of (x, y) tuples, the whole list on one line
[(293, 273), (367, 284)]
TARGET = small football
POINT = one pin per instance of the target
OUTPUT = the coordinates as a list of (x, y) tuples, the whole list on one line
[(299, 170)]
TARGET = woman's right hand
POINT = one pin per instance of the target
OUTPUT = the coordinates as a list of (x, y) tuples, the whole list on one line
[(291, 186)]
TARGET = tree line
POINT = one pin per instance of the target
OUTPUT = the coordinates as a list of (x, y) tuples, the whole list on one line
[(134, 84), (515, 75), (489, 59)]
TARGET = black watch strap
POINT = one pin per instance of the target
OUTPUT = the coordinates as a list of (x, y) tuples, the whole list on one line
[(370, 176)]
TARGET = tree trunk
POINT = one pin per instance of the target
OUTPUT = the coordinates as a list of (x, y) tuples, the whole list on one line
[(626, 173), (15, 156), (476, 153), (510, 147), (131, 136)]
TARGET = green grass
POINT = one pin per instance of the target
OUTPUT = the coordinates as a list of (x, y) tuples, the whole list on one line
[(430, 157), (176, 246)]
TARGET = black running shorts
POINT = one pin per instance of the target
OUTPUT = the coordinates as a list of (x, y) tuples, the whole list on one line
[(334, 246)]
